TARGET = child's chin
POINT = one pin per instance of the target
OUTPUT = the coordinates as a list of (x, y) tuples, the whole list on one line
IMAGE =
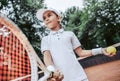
[(51, 27)]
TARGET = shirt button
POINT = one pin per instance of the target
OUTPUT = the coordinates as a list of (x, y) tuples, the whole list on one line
[(58, 36)]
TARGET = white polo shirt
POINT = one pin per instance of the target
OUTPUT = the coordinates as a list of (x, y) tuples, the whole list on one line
[(61, 45)]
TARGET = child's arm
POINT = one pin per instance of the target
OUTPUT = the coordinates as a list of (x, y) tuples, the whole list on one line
[(83, 53), (47, 58), (86, 53), (50, 66)]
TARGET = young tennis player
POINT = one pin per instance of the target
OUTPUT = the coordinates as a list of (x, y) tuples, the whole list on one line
[(59, 49)]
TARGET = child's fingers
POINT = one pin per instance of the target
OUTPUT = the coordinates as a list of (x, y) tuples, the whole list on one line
[(112, 54), (61, 76), (106, 53), (56, 78), (51, 79), (56, 74)]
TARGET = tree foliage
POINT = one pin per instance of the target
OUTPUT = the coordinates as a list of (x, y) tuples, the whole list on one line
[(22, 12), (97, 24), (71, 19), (105, 28)]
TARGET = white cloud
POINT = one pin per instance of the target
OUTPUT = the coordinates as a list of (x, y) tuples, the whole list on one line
[(62, 5)]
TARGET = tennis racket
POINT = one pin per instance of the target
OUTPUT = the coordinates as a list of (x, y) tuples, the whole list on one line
[(18, 60)]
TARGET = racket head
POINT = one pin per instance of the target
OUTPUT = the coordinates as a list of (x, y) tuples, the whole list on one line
[(16, 54)]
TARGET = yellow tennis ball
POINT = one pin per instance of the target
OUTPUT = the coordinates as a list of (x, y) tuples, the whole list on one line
[(111, 50)]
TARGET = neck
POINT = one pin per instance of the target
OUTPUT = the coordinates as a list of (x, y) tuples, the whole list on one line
[(56, 28)]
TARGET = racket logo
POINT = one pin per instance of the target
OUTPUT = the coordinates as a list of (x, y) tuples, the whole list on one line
[(5, 59), (4, 32)]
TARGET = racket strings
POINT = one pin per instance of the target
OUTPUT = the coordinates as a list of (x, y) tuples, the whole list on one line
[(13, 58)]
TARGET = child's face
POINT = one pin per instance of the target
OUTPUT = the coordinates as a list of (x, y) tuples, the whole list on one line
[(51, 20)]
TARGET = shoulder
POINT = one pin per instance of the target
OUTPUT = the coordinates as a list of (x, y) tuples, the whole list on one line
[(45, 38), (69, 32)]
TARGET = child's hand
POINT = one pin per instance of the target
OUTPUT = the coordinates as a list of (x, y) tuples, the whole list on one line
[(57, 76), (106, 53), (51, 79)]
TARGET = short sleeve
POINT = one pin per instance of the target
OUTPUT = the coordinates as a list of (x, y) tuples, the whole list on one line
[(75, 41), (44, 44)]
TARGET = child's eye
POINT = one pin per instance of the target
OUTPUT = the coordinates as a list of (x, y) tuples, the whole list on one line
[(44, 18), (49, 15)]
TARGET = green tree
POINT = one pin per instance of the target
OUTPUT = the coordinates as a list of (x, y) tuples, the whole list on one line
[(103, 28), (23, 13), (108, 19), (97, 24), (71, 19), (88, 24)]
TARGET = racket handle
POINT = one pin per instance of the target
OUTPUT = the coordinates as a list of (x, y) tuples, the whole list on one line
[(45, 77)]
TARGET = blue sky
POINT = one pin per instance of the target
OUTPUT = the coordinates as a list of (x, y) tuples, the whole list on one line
[(62, 5)]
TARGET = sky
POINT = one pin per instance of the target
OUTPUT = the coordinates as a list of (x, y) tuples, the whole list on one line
[(62, 5)]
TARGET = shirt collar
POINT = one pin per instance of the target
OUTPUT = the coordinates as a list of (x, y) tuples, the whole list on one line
[(57, 32)]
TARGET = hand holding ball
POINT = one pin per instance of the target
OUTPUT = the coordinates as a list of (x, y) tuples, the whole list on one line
[(111, 50)]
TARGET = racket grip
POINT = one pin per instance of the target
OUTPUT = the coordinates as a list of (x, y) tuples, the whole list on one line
[(47, 74), (45, 77)]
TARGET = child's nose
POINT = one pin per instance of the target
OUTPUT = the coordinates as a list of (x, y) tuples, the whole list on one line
[(47, 19)]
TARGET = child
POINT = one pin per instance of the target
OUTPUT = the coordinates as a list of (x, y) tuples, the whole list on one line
[(59, 46)]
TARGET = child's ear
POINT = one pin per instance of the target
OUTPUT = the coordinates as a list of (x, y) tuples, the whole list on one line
[(59, 18)]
